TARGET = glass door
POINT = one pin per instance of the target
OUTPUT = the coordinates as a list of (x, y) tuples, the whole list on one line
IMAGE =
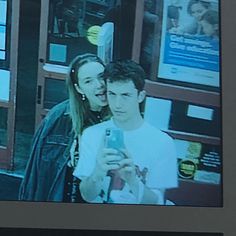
[(9, 13)]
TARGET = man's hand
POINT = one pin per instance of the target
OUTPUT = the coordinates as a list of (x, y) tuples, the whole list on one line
[(127, 169), (107, 159)]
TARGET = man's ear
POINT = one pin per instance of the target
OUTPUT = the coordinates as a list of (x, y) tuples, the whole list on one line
[(78, 89), (141, 96)]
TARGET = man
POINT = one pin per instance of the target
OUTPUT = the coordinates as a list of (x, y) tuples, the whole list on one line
[(145, 166)]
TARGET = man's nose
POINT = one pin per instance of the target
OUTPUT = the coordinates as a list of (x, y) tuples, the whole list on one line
[(118, 102)]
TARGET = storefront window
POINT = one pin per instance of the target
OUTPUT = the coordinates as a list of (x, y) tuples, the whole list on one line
[(4, 33), (74, 28)]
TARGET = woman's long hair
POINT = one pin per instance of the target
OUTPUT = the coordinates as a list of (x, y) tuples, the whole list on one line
[(78, 107)]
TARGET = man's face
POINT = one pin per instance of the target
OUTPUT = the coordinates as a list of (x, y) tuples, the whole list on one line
[(123, 99)]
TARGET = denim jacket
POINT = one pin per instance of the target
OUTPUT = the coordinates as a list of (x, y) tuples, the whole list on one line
[(46, 169), (45, 173)]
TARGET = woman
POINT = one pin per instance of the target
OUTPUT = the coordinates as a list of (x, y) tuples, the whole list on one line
[(196, 9), (48, 176)]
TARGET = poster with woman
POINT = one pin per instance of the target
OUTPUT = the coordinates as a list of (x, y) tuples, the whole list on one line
[(190, 42)]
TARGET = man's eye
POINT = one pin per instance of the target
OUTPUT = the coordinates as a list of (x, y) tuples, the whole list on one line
[(87, 81), (126, 95)]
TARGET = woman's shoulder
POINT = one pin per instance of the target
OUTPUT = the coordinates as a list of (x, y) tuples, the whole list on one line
[(58, 116), (59, 109)]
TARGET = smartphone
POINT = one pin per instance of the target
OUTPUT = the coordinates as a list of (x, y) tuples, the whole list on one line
[(114, 138)]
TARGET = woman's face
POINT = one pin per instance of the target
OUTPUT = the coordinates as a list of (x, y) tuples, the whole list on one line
[(92, 85), (198, 10)]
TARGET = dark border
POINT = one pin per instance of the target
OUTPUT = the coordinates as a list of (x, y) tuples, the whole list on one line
[(148, 218)]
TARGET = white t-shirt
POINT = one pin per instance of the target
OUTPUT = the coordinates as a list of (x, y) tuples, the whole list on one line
[(152, 150)]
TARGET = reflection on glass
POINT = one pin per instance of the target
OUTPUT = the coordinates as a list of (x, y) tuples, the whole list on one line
[(2, 37), (2, 55), (3, 20), (4, 85), (3, 12), (67, 18), (157, 112), (200, 112), (71, 23), (57, 52), (150, 35), (105, 42), (55, 92), (3, 126)]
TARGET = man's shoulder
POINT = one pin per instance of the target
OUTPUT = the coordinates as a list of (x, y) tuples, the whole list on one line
[(157, 134)]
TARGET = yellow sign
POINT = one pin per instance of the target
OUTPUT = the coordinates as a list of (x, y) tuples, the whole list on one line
[(92, 34), (194, 150)]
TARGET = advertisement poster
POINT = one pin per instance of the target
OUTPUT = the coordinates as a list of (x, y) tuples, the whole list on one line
[(190, 42)]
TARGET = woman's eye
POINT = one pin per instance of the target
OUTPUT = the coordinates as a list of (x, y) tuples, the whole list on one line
[(87, 81)]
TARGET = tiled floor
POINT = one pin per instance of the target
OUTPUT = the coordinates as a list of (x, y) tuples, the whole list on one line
[(22, 150), (21, 153)]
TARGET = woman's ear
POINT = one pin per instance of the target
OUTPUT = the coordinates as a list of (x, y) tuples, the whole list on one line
[(141, 96), (78, 89)]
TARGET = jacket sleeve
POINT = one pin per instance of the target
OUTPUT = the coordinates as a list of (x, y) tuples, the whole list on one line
[(29, 183)]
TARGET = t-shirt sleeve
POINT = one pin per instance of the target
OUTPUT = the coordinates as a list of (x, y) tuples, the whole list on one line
[(163, 172), (88, 149)]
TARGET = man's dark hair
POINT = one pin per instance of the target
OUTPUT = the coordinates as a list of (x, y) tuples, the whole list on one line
[(125, 70)]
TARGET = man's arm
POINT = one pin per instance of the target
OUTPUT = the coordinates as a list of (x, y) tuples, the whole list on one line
[(145, 195), (142, 193), (91, 186)]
